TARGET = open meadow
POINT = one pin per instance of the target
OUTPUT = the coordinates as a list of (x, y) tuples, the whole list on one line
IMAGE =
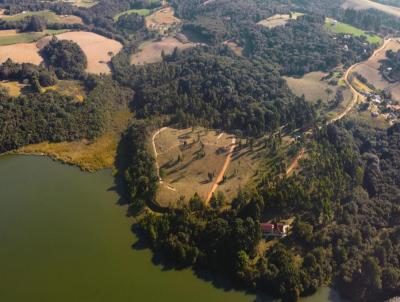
[(71, 88), (49, 16), (190, 161), (150, 51), (13, 88), (367, 4), (279, 20), (370, 70), (161, 20)]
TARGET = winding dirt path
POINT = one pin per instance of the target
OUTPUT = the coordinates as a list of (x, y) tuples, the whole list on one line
[(223, 170), (357, 98)]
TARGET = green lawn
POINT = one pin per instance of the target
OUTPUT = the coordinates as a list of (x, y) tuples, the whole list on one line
[(51, 17), (142, 12), (344, 28), (28, 37)]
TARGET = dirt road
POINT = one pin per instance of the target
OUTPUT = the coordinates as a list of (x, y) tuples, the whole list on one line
[(155, 150), (223, 170)]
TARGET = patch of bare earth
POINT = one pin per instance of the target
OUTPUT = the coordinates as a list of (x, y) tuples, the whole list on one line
[(150, 52)]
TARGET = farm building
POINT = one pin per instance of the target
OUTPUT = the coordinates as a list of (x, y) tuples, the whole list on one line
[(274, 229)]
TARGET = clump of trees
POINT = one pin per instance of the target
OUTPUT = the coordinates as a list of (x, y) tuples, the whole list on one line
[(66, 57)]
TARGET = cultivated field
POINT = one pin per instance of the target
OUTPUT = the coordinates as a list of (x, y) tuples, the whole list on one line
[(366, 4), (150, 52), (13, 88), (279, 20), (343, 28), (98, 49), (21, 53), (49, 16), (186, 157), (370, 70)]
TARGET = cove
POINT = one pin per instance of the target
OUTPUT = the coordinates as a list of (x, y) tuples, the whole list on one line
[(63, 237)]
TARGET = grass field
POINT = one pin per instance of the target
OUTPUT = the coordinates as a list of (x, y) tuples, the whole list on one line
[(9, 37), (150, 51), (279, 20), (162, 18), (343, 28), (142, 12), (367, 4), (69, 88), (370, 70), (184, 169), (13, 88), (82, 3), (88, 155), (49, 16)]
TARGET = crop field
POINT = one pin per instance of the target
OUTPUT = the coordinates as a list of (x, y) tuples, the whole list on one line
[(13, 88), (142, 12), (49, 16), (279, 20), (367, 4), (150, 52), (21, 53), (186, 158), (98, 49), (370, 70), (343, 28), (11, 36), (89, 155)]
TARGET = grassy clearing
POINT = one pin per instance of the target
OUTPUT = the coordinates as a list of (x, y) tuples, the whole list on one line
[(279, 19), (10, 37), (367, 4), (88, 155), (343, 28), (49, 16), (13, 88), (184, 167), (69, 88), (142, 12)]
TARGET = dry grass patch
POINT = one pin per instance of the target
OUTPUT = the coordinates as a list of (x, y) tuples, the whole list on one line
[(13, 88), (150, 52), (370, 70), (49, 16), (88, 155), (69, 88), (162, 19), (367, 4), (98, 49), (279, 20), (235, 48), (82, 3), (187, 156)]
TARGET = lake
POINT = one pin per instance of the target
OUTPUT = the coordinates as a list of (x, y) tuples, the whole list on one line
[(63, 237)]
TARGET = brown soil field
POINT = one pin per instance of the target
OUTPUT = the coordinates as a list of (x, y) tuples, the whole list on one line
[(164, 16), (96, 48), (21, 53), (370, 70), (190, 174), (367, 4), (150, 52)]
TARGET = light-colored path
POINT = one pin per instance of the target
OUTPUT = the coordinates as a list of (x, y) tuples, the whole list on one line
[(356, 98), (155, 150), (223, 170)]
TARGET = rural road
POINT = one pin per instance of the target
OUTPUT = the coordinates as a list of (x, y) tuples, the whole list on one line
[(357, 97), (223, 170)]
